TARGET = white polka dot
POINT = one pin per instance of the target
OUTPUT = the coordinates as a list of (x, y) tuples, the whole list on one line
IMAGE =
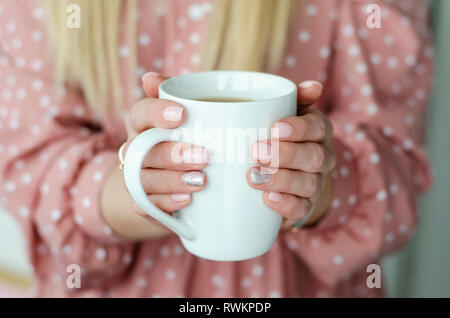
[(158, 63), (178, 45), (24, 211), (86, 202), (348, 30), (194, 38), (37, 85), (374, 158), (38, 13), (62, 164), (389, 238), (344, 171), (389, 39), (10, 187), (79, 111), (195, 12), (304, 36), (67, 249), (367, 232), (338, 260), (36, 36), (375, 59), (274, 294), (372, 109), (26, 178), (354, 50), (311, 10), (144, 39), (393, 188), (352, 199), (56, 215), (403, 228), (97, 176), (164, 251), (170, 274), (366, 90), (126, 259), (290, 61), (410, 60), (124, 51), (408, 144), (324, 52), (246, 282), (218, 280), (148, 263), (257, 270), (392, 62), (387, 131), (195, 59), (360, 135), (100, 253), (78, 219), (361, 68), (335, 203), (381, 195), (36, 65), (142, 282)]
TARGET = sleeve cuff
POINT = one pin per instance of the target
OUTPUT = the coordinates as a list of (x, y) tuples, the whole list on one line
[(87, 197)]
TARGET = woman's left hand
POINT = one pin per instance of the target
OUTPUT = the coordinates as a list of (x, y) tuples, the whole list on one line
[(305, 159)]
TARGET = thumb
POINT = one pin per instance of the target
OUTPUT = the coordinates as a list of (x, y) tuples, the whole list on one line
[(151, 82), (309, 92)]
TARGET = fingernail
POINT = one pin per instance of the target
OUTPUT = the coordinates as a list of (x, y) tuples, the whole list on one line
[(309, 84), (275, 197), (194, 178), (173, 113), (284, 130), (181, 197), (258, 176), (195, 156), (262, 152), (154, 74)]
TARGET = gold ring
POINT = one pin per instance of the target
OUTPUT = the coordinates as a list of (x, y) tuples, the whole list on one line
[(122, 161)]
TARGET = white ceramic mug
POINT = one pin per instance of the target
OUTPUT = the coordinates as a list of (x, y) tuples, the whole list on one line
[(228, 220)]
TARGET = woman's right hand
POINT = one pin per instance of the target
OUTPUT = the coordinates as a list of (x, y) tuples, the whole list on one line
[(171, 171)]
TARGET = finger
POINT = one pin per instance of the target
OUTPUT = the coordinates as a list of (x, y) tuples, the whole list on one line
[(298, 183), (289, 206), (151, 82), (307, 156), (309, 92), (149, 113), (166, 202), (157, 181), (309, 127), (176, 156)]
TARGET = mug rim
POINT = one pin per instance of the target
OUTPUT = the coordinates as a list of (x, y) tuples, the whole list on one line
[(163, 89)]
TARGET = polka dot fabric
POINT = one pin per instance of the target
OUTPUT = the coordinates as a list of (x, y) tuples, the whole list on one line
[(56, 154)]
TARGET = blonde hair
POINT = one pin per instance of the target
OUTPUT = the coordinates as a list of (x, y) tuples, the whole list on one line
[(245, 35)]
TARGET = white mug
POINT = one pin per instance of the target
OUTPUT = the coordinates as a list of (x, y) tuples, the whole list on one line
[(228, 220)]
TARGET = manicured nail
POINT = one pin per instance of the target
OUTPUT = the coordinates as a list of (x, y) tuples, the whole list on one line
[(194, 178), (153, 74), (181, 197), (308, 84), (284, 129), (275, 197), (173, 113), (259, 176), (195, 156), (262, 152)]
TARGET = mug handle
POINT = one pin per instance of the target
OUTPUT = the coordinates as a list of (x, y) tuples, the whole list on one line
[(134, 158)]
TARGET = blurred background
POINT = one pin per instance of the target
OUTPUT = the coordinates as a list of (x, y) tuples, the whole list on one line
[(422, 269)]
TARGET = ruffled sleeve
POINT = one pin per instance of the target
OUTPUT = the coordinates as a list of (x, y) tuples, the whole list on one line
[(378, 89)]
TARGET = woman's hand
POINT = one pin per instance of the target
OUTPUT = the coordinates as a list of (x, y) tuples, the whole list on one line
[(306, 158), (171, 171)]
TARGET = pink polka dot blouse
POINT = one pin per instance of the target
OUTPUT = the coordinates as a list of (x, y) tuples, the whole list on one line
[(53, 161)]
